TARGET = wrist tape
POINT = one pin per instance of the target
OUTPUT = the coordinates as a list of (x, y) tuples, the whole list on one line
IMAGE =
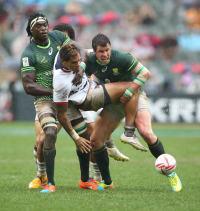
[(74, 135), (129, 93)]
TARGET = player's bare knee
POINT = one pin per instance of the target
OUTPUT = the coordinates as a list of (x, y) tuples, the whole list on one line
[(93, 142), (51, 135)]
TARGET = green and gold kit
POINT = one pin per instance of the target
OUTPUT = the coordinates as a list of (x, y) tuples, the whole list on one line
[(40, 59), (117, 69)]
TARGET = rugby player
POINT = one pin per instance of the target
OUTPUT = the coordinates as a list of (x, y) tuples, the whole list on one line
[(38, 153), (87, 96), (36, 68), (112, 66)]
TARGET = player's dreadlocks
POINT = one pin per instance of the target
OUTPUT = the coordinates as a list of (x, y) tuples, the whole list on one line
[(67, 51), (31, 18), (64, 27)]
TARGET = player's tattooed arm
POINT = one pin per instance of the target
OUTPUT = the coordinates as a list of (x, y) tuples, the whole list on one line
[(62, 117), (32, 88), (82, 143)]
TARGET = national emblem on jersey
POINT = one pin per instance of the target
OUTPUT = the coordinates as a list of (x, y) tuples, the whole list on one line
[(58, 48), (25, 62), (115, 71), (43, 60)]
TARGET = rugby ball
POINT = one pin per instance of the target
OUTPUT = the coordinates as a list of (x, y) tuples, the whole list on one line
[(165, 164)]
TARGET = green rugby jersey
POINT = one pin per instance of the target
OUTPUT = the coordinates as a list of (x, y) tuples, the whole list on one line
[(118, 69), (40, 59)]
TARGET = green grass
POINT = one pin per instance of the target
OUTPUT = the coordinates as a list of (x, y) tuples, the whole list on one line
[(137, 185)]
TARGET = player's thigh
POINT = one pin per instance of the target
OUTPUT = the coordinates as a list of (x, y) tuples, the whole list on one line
[(116, 90), (104, 126), (46, 111), (90, 128), (45, 107), (59, 126), (89, 120)]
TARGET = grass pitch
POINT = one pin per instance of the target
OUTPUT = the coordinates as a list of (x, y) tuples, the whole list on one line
[(137, 184)]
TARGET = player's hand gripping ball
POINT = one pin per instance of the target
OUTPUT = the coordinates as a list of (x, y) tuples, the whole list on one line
[(165, 164)]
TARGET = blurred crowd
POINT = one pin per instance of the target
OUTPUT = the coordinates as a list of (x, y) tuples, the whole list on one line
[(163, 35)]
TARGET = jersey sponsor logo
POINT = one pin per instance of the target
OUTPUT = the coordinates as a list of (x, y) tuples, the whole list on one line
[(43, 60), (25, 61), (50, 51), (115, 71), (107, 80), (104, 69)]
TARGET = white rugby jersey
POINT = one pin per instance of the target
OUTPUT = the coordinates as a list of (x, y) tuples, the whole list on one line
[(64, 90)]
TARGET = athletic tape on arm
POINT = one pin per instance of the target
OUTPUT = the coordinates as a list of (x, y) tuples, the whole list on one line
[(140, 70)]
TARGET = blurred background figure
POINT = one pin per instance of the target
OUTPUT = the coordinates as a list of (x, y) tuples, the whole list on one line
[(147, 14), (192, 16), (159, 34)]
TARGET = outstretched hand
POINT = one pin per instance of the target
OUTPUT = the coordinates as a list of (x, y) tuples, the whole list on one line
[(83, 145)]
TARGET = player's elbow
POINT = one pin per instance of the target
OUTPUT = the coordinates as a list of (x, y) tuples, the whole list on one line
[(28, 89), (147, 74)]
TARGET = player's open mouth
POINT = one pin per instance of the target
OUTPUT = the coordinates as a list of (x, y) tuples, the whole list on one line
[(104, 59)]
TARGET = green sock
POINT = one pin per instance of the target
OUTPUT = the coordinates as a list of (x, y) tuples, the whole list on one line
[(157, 148), (49, 157), (102, 160), (84, 160)]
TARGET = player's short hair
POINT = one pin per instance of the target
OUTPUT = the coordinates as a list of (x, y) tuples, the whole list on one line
[(67, 51), (101, 40), (64, 27), (31, 18)]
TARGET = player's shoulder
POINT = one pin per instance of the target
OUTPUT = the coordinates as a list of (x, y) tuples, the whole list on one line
[(54, 33), (92, 58), (57, 35), (119, 53), (29, 50), (121, 56)]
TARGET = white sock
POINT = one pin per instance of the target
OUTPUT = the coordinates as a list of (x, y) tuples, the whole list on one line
[(90, 173), (109, 143), (41, 168), (35, 157), (97, 174)]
